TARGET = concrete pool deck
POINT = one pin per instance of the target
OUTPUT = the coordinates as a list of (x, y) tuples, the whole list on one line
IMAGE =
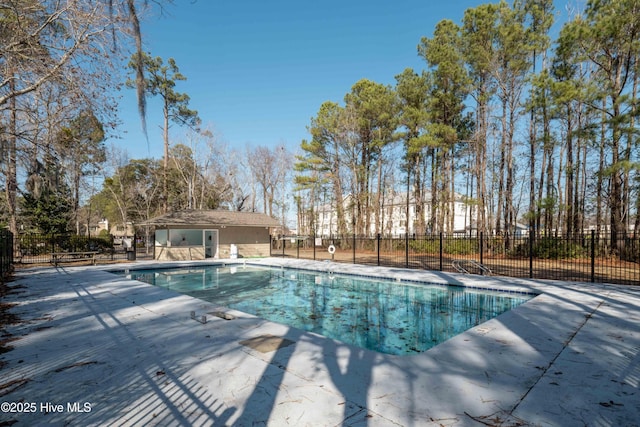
[(92, 348)]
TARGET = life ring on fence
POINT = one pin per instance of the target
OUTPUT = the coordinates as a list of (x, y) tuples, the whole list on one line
[(331, 249)]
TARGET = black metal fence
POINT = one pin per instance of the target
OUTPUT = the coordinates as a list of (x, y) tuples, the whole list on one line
[(6, 253), (40, 248), (583, 257)]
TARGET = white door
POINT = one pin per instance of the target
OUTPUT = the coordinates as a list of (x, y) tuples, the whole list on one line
[(211, 243)]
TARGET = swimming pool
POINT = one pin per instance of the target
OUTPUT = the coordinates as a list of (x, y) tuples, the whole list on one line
[(387, 316)]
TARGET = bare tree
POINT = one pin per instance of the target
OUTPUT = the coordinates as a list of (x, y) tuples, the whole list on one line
[(46, 44), (270, 168), (241, 193), (202, 177)]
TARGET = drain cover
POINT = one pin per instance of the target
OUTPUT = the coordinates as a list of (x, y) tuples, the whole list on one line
[(266, 343)]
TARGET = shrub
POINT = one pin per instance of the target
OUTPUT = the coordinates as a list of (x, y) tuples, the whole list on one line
[(84, 243), (368, 245), (425, 246), (460, 246), (554, 247)]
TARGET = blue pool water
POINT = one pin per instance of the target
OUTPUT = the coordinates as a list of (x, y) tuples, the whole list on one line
[(386, 316)]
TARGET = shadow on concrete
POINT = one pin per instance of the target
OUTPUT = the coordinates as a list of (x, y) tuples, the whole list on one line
[(131, 352)]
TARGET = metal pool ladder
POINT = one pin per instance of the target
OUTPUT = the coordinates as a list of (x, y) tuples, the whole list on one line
[(463, 266)]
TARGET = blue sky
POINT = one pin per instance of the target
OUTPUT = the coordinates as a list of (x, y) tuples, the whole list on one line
[(259, 70)]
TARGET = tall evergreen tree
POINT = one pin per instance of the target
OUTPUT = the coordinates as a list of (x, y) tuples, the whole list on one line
[(160, 80), (47, 206), (450, 86), (413, 93), (374, 106), (323, 157), (81, 147), (538, 19), (608, 37)]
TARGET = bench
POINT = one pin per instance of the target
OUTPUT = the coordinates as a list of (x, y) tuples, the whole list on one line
[(58, 257)]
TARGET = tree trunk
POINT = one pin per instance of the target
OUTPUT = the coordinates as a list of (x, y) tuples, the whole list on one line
[(165, 164), (599, 189), (569, 185), (502, 173), (11, 187)]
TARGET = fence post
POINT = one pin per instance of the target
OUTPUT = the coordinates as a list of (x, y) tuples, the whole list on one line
[(530, 256), (593, 256), (481, 248), (314, 246), (378, 245), (354, 248), (406, 250), (441, 250), (297, 248), (284, 242)]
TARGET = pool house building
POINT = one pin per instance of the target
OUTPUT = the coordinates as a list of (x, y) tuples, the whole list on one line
[(200, 234)]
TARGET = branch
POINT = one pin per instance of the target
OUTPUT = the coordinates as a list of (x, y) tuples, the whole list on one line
[(52, 71)]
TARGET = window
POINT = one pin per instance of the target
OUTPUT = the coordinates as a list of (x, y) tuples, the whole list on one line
[(186, 237), (161, 237)]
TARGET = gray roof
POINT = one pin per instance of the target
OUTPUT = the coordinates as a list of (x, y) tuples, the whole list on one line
[(209, 218)]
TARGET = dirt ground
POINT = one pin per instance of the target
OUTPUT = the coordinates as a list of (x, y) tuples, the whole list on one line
[(604, 270)]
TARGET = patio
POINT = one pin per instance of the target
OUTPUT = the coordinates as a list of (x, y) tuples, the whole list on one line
[(93, 348)]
